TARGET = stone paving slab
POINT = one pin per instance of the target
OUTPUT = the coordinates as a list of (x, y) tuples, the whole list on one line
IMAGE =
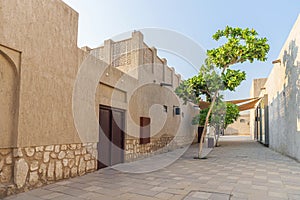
[(207, 195), (239, 169), (160, 161)]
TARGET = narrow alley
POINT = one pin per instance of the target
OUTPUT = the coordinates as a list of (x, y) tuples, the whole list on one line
[(239, 169)]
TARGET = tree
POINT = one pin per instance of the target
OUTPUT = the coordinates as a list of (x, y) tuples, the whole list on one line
[(223, 114), (214, 76)]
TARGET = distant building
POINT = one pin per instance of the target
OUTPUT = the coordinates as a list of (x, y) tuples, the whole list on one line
[(240, 127), (256, 88)]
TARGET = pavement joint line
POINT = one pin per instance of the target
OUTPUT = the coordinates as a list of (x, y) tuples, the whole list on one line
[(214, 192)]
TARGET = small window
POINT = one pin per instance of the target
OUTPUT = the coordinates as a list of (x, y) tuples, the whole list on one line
[(242, 121), (165, 108), (144, 130)]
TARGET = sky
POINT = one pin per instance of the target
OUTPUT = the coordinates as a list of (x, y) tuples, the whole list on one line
[(197, 20)]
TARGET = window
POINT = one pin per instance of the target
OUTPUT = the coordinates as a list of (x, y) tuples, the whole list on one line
[(165, 108), (242, 121), (145, 130)]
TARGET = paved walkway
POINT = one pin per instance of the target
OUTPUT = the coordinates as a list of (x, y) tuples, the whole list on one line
[(238, 169)]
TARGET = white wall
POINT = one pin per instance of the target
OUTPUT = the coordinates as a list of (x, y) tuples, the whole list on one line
[(283, 89)]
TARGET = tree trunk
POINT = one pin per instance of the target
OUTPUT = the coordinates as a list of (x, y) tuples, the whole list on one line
[(205, 125), (217, 135)]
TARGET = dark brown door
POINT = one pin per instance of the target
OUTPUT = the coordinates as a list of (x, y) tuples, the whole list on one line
[(104, 138), (145, 130), (111, 136), (117, 137)]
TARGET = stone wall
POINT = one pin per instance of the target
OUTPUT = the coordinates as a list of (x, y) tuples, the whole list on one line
[(134, 150), (31, 167), (6, 167)]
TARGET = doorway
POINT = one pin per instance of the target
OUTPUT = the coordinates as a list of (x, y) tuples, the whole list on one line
[(111, 136)]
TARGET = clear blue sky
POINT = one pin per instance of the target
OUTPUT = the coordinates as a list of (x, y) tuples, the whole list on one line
[(197, 19)]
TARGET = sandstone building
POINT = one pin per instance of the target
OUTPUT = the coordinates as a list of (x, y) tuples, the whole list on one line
[(240, 127), (47, 134)]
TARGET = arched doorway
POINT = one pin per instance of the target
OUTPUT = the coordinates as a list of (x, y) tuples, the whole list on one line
[(8, 101)]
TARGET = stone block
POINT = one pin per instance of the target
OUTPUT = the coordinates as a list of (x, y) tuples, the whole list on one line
[(77, 152), (74, 171), (85, 144), (50, 172), (58, 170), (33, 178), (70, 154), (39, 149), (1, 163), (4, 152), (53, 155), (57, 148), (64, 147), (3, 192), (83, 151), (72, 146), (18, 153), (21, 169), (65, 162), (66, 172), (34, 165), (77, 158), (90, 165), (8, 159), (38, 155), (71, 163), (49, 148), (87, 157), (61, 155), (95, 154), (6, 174), (29, 151), (46, 157), (43, 171), (81, 167)]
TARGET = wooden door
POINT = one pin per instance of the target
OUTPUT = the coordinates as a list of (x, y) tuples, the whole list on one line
[(104, 138), (145, 130), (111, 136), (117, 137)]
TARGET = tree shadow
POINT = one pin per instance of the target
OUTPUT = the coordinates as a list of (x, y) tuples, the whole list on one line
[(286, 106), (292, 88)]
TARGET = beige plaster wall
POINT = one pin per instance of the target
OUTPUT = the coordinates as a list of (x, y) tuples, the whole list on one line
[(283, 89), (47, 38), (255, 90), (239, 127), (9, 96), (50, 59)]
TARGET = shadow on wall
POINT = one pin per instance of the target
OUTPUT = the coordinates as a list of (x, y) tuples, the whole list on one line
[(292, 73), (285, 112)]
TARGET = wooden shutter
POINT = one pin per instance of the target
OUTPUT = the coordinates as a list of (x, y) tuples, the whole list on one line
[(145, 130)]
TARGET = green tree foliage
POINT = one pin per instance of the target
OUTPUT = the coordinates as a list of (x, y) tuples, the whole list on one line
[(240, 45), (223, 113)]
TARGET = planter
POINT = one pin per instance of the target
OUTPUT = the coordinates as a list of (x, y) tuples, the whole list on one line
[(210, 142), (200, 130)]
